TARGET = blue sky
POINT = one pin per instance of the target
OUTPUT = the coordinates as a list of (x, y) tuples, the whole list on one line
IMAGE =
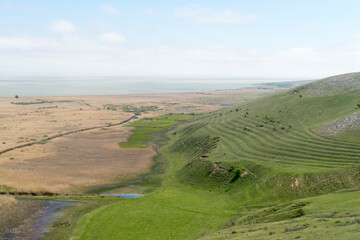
[(245, 39)]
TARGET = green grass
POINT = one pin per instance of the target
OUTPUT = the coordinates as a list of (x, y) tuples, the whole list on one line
[(145, 127), (174, 211), (62, 228), (188, 211), (330, 216), (258, 170), (248, 134)]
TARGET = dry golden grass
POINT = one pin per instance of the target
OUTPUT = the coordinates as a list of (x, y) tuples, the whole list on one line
[(88, 158), (83, 159)]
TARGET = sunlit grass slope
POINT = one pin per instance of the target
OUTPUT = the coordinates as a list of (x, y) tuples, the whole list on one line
[(330, 216)]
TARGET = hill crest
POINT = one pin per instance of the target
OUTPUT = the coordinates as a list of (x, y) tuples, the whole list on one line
[(344, 83)]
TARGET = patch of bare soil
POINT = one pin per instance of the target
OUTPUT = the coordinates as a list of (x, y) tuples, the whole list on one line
[(349, 122)]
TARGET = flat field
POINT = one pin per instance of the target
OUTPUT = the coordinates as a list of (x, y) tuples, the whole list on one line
[(64, 144)]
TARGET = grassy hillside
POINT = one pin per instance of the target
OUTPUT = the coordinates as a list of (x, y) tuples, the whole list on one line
[(252, 170), (330, 216)]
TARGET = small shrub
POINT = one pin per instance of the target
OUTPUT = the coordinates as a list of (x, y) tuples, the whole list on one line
[(237, 175)]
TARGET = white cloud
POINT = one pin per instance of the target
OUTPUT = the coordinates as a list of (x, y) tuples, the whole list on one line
[(149, 12), (25, 42), (110, 9), (62, 27), (207, 15), (113, 37), (80, 55)]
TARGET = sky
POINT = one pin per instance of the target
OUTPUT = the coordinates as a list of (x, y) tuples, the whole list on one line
[(257, 39)]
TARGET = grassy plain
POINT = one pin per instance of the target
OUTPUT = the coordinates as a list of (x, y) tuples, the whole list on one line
[(86, 158)]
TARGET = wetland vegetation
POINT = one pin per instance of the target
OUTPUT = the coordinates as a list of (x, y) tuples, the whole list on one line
[(263, 169)]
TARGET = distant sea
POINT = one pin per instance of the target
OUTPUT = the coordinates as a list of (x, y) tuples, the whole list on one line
[(73, 86)]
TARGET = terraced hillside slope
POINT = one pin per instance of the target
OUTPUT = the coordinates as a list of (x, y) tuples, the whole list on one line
[(281, 131), (271, 168)]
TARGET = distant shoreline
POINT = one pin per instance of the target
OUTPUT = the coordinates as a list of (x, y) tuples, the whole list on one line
[(67, 87)]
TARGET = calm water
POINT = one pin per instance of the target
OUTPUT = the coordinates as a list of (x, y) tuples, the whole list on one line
[(69, 86)]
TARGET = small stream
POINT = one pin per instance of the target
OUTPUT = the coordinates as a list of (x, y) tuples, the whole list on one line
[(50, 215), (115, 189)]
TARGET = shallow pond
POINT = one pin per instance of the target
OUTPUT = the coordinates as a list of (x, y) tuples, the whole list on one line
[(124, 195)]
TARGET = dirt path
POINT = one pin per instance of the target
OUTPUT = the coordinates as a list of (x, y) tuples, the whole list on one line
[(55, 196)]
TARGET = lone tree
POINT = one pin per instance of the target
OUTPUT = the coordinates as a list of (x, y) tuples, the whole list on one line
[(16, 96), (358, 105)]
